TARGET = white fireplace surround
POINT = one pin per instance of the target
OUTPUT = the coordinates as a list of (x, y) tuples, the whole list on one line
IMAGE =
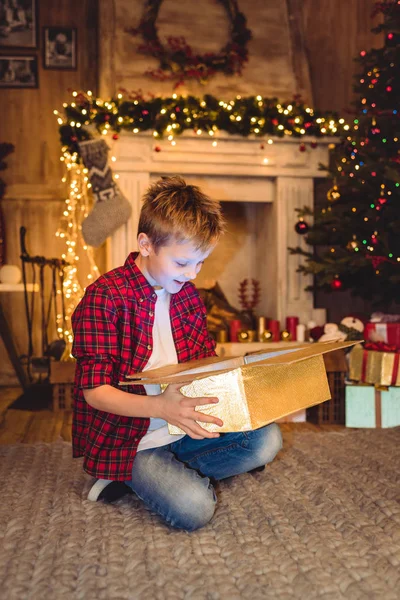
[(235, 169)]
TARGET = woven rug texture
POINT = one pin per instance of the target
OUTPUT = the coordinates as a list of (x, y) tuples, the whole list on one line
[(322, 521)]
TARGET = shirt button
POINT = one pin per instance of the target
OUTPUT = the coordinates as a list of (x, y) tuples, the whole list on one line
[(151, 314), (141, 299), (154, 295), (149, 347)]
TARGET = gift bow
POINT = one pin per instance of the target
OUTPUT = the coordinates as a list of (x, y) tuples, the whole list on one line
[(381, 347)]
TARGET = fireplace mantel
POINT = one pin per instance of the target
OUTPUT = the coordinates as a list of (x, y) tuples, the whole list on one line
[(232, 168)]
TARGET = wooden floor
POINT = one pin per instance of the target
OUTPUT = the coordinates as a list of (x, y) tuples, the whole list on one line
[(28, 426)]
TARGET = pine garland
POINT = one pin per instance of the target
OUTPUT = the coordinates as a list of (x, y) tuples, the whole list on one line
[(252, 115)]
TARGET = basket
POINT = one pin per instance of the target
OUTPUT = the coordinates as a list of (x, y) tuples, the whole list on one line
[(332, 412), (62, 379)]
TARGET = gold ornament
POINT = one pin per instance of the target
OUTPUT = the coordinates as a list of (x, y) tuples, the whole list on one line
[(333, 194), (285, 336), (243, 336), (353, 244), (266, 336), (248, 335)]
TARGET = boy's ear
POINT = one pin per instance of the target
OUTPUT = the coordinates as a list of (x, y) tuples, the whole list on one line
[(144, 244)]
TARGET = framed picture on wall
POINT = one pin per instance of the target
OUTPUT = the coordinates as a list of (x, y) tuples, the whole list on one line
[(18, 23), (18, 72), (59, 48)]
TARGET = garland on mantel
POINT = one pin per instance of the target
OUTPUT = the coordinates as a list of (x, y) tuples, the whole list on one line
[(177, 59), (249, 116)]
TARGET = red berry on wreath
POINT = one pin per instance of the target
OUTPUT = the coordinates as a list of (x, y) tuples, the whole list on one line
[(302, 147)]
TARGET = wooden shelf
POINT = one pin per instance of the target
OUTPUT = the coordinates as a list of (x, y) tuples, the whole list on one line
[(18, 287)]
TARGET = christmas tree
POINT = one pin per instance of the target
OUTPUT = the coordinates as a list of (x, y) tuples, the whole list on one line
[(356, 234)]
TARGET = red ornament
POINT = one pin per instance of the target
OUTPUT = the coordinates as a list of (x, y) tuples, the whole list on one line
[(115, 136), (301, 227), (262, 146), (106, 117), (389, 88), (302, 147), (157, 149), (74, 138), (275, 122), (336, 284), (313, 144)]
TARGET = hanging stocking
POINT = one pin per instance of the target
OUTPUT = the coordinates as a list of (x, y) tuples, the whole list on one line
[(111, 208)]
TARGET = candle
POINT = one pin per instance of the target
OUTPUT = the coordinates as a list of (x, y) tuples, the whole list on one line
[(301, 332), (234, 327), (291, 324), (274, 327), (261, 326)]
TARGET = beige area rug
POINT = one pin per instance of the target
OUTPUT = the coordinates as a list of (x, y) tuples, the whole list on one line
[(323, 521)]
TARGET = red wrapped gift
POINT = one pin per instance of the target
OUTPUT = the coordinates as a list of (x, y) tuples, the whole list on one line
[(389, 333)]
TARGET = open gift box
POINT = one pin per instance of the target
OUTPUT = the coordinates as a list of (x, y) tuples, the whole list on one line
[(253, 390)]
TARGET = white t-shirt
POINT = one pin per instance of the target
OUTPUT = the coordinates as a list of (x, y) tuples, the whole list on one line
[(164, 353)]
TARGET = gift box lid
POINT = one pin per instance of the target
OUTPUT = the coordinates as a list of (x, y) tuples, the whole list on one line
[(207, 367)]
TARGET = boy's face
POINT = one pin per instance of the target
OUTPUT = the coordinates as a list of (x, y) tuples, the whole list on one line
[(172, 265)]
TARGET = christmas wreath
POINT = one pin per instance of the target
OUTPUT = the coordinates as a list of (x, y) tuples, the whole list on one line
[(177, 59)]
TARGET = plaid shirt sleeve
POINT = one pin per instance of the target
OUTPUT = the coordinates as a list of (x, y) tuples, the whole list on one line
[(96, 344)]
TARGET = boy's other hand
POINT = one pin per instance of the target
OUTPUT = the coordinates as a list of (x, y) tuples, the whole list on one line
[(180, 411)]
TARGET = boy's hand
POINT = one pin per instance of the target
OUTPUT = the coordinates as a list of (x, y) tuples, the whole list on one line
[(180, 411)]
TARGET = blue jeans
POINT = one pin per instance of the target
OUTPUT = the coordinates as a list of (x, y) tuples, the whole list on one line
[(174, 480)]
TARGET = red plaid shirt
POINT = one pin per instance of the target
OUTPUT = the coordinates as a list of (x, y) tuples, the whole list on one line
[(112, 328)]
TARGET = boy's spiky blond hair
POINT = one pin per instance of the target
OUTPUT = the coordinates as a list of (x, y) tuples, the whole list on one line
[(174, 210)]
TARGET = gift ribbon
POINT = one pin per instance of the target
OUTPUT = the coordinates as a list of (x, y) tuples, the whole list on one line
[(381, 347), (378, 409)]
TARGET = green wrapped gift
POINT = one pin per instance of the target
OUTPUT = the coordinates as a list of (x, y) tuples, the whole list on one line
[(367, 406)]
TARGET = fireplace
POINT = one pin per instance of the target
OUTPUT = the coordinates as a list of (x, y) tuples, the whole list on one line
[(259, 183)]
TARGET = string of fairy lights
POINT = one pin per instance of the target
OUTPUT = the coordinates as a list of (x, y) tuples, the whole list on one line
[(77, 206)]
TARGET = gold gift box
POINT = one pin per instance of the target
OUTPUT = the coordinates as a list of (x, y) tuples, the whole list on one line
[(378, 368), (253, 390)]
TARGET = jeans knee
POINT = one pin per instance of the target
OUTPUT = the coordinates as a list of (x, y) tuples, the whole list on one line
[(270, 443), (195, 510)]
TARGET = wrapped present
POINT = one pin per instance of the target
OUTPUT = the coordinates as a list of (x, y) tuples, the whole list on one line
[(253, 390), (375, 363), (389, 333), (368, 406)]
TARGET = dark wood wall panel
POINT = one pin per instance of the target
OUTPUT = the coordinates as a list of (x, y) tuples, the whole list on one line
[(335, 32), (27, 118)]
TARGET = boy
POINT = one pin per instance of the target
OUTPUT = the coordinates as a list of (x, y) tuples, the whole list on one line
[(144, 315)]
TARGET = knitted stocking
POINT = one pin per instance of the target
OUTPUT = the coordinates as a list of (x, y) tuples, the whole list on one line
[(111, 208)]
